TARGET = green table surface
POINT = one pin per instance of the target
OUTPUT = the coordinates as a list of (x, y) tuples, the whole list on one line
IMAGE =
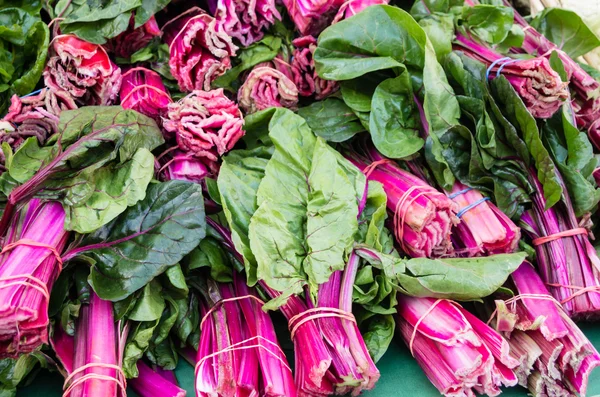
[(400, 376)]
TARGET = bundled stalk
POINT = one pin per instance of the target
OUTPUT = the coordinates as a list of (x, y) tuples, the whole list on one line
[(238, 352), (566, 259), (538, 85), (459, 353), (330, 353), (29, 266), (483, 228), (152, 383), (94, 367), (555, 357), (423, 217)]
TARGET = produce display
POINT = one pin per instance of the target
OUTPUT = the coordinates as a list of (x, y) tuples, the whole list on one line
[(277, 191)]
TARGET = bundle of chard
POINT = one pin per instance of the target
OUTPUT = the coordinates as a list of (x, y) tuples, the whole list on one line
[(422, 216), (238, 353), (330, 353), (555, 358), (29, 265), (566, 259), (92, 359), (459, 353), (539, 86), (483, 229)]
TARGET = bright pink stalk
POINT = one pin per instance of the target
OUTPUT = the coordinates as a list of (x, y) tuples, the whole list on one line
[(304, 72), (457, 352), (83, 70), (186, 168), (423, 217), (238, 353), (143, 90), (98, 345), (200, 49), (353, 7), (569, 265), (205, 124), (150, 384), (555, 355), (266, 87), (312, 16), (27, 273), (132, 40), (245, 20), (539, 86), (483, 229)]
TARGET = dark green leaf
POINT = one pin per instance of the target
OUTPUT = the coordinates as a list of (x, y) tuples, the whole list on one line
[(488, 22), (440, 30), (150, 304), (146, 239), (331, 119), (378, 334)]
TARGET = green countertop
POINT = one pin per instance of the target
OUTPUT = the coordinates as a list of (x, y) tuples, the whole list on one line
[(400, 376)]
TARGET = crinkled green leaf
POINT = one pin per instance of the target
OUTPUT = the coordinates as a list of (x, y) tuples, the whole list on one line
[(331, 119), (210, 254), (146, 239), (377, 334), (489, 22)]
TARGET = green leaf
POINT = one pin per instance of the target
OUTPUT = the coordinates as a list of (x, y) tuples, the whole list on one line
[(489, 22), (450, 278), (567, 30), (210, 254), (256, 126), (357, 93), (147, 9), (28, 159), (31, 6), (303, 228), (440, 30), (140, 336), (394, 120), (150, 304), (115, 188), (357, 46), (239, 178), (145, 240), (331, 119), (378, 334), (519, 116)]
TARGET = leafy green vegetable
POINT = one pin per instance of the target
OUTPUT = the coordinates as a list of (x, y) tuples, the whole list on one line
[(24, 40), (97, 21), (331, 119), (567, 30), (305, 222), (378, 335), (490, 23), (145, 240)]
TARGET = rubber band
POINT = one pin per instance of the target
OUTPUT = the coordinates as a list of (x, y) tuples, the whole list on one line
[(31, 243), (234, 299), (37, 284), (240, 346), (122, 383), (581, 290), (416, 328), (371, 167), (526, 28), (300, 319), (32, 93), (517, 298), (402, 207), (556, 236), (497, 61), (456, 194), (503, 65), (471, 206)]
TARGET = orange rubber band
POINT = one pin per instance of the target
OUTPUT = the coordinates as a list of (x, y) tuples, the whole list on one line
[(31, 243), (517, 298), (122, 383), (234, 299), (556, 236), (371, 167), (240, 346), (580, 290), (318, 312), (416, 328), (35, 283)]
